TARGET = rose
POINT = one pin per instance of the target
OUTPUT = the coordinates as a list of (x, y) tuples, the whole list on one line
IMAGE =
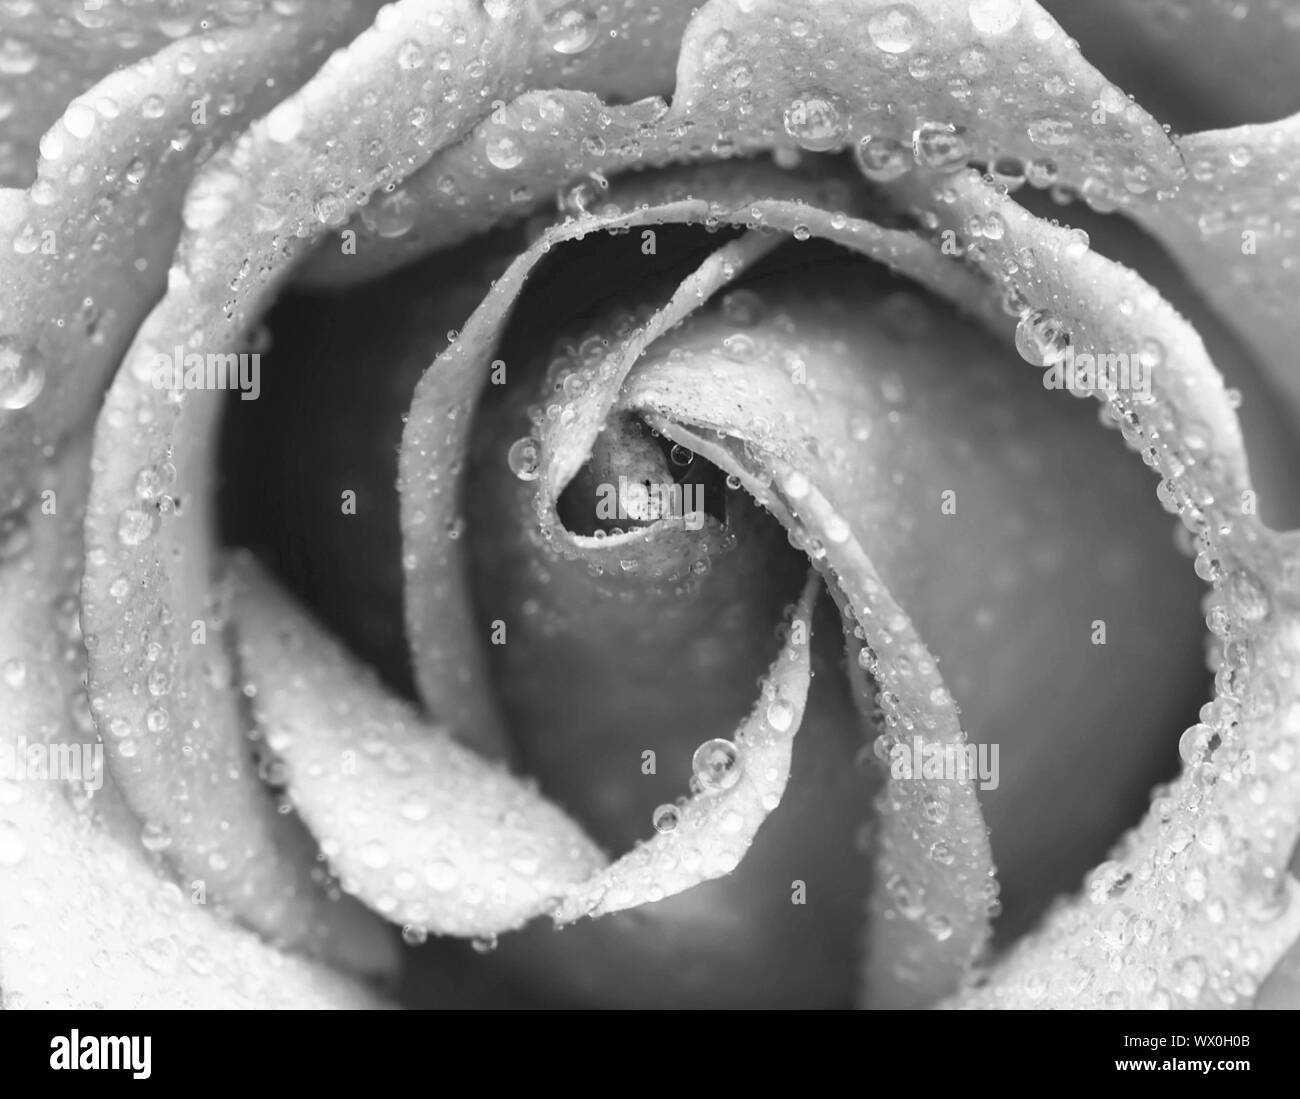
[(1223, 833)]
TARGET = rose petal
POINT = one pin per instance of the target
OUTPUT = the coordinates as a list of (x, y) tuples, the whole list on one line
[(84, 250), (1281, 988), (1153, 929), (1233, 225), (87, 919), (907, 963), (1197, 63), (51, 57), (715, 827), (423, 830), (145, 586), (747, 70)]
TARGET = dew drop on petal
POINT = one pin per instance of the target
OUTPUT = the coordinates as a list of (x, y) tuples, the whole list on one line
[(814, 122), (994, 16), (894, 29), (882, 158), (1041, 338), (666, 818), (780, 715), (285, 122), (570, 29), (716, 764), (330, 209), (22, 374), (525, 458), (504, 152), (940, 146), (136, 525), (79, 119)]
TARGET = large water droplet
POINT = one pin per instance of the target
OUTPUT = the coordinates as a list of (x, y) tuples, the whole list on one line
[(780, 715), (284, 123), (666, 818), (330, 208), (22, 374), (504, 152), (570, 29), (882, 158), (525, 458), (136, 525), (894, 29), (814, 122), (994, 16), (390, 214), (716, 764), (79, 119), (940, 146), (1041, 338)]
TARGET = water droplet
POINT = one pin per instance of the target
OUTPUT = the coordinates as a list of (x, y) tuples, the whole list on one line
[(780, 715), (666, 818), (1041, 338), (504, 152), (79, 119), (22, 374), (14, 673), (1041, 173), (836, 529), (882, 158), (940, 146), (136, 525), (155, 837), (814, 122), (525, 458), (681, 456), (994, 16), (410, 55), (330, 208), (716, 764), (1009, 171), (894, 29), (485, 945), (285, 122), (570, 29)]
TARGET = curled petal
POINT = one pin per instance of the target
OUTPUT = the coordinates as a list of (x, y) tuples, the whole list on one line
[(186, 762), (1233, 224), (1213, 850), (85, 249), (714, 827), (748, 82), (1222, 64), (425, 831), (88, 919)]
